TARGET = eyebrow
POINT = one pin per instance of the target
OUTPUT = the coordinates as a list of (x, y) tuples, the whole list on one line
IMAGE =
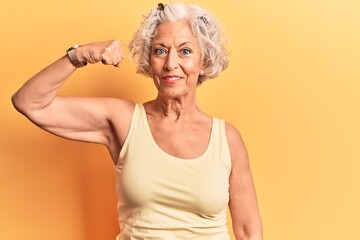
[(182, 44)]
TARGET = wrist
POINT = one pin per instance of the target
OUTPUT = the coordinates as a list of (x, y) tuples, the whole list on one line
[(73, 55)]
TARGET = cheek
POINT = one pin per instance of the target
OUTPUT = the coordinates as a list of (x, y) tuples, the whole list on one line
[(192, 68), (156, 82), (156, 64)]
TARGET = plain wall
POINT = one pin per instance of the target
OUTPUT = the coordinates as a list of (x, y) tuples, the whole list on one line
[(292, 89)]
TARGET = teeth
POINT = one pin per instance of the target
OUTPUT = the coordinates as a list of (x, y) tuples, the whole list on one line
[(172, 78)]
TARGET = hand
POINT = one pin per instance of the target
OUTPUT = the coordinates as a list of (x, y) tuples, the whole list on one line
[(108, 52)]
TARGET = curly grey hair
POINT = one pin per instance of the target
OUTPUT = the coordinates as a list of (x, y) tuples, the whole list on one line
[(211, 39)]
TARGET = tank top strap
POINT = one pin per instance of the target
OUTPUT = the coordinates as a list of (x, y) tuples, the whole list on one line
[(134, 121), (218, 132), (142, 112), (220, 144)]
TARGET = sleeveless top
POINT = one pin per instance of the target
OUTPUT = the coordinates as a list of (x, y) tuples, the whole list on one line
[(162, 197)]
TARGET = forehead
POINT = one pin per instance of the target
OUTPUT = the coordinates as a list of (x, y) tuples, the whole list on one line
[(177, 32)]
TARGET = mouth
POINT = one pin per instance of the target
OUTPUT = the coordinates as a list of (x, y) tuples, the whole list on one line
[(171, 78)]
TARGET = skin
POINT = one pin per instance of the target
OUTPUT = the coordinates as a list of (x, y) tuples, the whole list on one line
[(176, 65), (175, 68)]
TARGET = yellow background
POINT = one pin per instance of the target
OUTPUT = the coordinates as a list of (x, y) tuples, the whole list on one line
[(292, 89)]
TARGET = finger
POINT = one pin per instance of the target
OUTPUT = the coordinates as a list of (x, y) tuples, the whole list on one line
[(119, 59), (112, 53), (117, 64), (111, 60)]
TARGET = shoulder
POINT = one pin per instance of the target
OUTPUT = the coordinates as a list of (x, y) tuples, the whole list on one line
[(121, 111), (233, 136), (117, 106), (118, 102), (236, 144), (120, 114)]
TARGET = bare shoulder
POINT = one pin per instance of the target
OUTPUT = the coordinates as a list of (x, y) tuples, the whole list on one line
[(119, 106), (120, 111), (120, 114), (112, 114), (234, 137), (115, 110), (237, 146)]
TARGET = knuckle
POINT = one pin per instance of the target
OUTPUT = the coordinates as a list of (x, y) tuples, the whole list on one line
[(104, 58), (116, 42)]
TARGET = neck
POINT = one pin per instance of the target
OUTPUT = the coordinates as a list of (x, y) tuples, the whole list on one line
[(175, 108)]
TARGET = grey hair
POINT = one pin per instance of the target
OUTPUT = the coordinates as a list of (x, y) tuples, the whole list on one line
[(212, 41)]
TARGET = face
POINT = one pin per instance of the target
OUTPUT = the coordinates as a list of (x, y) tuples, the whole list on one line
[(175, 59)]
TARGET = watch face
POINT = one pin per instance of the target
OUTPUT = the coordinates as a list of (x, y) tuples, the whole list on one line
[(73, 47)]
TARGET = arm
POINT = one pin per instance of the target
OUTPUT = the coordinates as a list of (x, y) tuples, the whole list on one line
[(76, 118), (243, 204)]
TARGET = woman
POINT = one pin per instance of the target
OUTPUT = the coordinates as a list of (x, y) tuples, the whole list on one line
[(177, 168)]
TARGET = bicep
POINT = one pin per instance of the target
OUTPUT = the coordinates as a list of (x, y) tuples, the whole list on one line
[(243, 203), (79, 118)]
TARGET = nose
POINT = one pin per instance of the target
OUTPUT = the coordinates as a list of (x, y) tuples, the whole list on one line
[(171, 62)]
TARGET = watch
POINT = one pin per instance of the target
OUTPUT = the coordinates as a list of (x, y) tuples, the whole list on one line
[(73, 58)]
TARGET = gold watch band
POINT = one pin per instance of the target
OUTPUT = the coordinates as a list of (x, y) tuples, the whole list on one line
[(73, 58)]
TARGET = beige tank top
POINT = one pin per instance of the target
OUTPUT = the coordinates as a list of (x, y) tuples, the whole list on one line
[(162, 197)]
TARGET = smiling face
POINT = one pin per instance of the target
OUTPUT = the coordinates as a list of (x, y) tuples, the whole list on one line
[(175, 59)]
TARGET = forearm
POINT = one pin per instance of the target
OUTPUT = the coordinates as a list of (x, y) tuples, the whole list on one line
[(40, 90)]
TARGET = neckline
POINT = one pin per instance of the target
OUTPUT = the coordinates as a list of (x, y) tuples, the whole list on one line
[(149, 133)]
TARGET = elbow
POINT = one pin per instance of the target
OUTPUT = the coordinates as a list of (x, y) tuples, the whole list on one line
[(27, 107), (16, 102), (254, 232), (20, 104), (256, 235)]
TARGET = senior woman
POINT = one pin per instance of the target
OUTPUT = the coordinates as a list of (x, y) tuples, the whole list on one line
[(177, 168)]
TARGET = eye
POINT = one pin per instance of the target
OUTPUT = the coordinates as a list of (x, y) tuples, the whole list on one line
[(159, 51), (186, 51)]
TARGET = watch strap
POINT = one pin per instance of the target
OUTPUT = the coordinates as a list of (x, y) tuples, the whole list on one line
[(73, 58)]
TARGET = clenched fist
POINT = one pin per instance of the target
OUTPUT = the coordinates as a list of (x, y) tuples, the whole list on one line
[(108, 52)]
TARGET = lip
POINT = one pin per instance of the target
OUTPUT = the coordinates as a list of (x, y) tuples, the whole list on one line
[(171, 79)]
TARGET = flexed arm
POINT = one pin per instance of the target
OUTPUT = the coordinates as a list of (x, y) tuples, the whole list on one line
[(77, 118), (40, 90)]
